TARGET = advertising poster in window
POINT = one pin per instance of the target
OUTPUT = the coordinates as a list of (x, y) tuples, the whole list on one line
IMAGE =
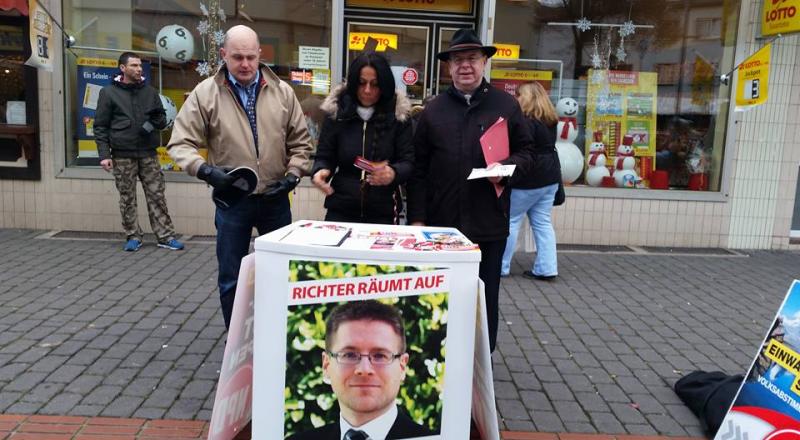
[(509, 80), (619, 104), (93, 75), (388, 326), (767, 405)]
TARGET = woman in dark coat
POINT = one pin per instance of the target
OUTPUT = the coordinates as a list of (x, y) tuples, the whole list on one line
[(534, 190), (366, 118)]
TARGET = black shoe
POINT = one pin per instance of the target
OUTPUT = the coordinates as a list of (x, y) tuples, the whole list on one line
[(532, 276)]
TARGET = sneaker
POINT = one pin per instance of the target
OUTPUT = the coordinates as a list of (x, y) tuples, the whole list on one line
[(132, 245), (532, 276), (171, 244)]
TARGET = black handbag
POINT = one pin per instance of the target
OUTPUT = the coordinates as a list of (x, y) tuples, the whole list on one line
[(560, 195)]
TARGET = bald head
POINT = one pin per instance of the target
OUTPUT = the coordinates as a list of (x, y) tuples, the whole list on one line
[(241, 52), (240, 33)]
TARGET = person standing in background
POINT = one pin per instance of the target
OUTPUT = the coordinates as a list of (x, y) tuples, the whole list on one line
[(534, 189), (128, 116)]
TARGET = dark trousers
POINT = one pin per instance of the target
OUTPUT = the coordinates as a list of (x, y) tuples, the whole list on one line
[(234, 229), (489, 272)]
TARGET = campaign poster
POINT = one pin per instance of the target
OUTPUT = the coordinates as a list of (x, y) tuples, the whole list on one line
[(93, 75), (623, 103), (420, 295), (234, 397), (768, 403)]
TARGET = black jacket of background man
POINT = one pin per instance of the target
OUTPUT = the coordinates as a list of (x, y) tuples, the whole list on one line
[(545, 169), (402, 428), (122, 109), (447, 147)]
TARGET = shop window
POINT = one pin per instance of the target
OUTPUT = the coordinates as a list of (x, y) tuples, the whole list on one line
[(294, 37), (19, 135), (655, 86)]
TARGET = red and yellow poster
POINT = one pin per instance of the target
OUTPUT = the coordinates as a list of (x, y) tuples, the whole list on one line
[(780, 17), (752, 80), (510, 80), (623, 103)]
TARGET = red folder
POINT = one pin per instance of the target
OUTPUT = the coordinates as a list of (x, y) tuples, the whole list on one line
[(494, 143)]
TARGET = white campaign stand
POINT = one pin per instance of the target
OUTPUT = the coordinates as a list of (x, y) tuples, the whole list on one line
[(463, 351)]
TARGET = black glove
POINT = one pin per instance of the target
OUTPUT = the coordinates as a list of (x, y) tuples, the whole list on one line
[(283, 186), (215, 176)]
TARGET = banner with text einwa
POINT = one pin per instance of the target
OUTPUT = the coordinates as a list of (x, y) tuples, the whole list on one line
[(780, 17), (753, 80), (767, 405)]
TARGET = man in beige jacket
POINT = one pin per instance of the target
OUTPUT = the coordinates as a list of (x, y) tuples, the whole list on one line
[(247, 117)]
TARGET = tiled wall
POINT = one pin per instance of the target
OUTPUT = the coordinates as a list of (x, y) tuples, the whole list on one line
[(768, 148), (757, 214)]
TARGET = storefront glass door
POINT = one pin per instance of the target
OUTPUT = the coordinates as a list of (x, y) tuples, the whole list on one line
[(410, 47)]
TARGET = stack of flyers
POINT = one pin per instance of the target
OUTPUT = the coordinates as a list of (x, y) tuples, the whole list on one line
[(367, 165)]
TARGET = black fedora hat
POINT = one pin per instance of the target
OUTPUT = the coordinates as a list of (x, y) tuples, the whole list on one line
[(465, 39)]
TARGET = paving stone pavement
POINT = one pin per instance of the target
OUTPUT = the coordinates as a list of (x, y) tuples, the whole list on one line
[(89, 330)]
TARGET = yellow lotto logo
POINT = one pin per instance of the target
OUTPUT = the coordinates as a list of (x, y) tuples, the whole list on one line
[(506, 52), (753, 80), (358, 40), (780, 17)]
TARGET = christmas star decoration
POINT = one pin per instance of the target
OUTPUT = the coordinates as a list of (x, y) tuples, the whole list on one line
[(203, 68), (584, 24), (627, 28), (621, 54)]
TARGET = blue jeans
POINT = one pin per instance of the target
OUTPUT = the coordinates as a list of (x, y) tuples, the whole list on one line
[(537, 203), (234, 229)]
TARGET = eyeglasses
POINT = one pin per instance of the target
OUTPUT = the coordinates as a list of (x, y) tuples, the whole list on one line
[(461, 60), (380, 357)]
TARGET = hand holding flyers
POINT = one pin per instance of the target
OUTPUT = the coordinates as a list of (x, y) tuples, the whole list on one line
[(378, 173), (495, 148)]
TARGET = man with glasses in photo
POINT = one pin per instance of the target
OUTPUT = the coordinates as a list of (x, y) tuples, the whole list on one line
[(365, 363), (447, 147)]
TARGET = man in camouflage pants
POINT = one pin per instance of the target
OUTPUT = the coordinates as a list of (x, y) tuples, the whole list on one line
[(128, 117)]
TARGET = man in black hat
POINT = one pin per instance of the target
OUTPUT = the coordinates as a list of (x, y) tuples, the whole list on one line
[(447, 147)]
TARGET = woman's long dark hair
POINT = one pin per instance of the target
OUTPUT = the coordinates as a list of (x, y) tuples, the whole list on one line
[(385, 79)]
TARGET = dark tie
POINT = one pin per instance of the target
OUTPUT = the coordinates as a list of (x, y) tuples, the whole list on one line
[(352, 434), (250, 109)]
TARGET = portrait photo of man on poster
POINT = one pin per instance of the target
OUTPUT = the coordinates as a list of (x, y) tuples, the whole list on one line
[(366, 368)]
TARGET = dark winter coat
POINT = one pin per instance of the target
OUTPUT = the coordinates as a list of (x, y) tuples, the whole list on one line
[(545, 168), (447, 147), (122, 110), (387, 137)]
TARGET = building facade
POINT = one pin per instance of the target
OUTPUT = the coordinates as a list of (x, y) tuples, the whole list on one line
[(644, 74)]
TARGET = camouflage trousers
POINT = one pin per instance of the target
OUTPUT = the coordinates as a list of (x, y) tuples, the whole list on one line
[(148, 170)]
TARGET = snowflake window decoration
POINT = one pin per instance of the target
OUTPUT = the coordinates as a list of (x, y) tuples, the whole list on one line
[(584, 24), (621, 54), (627, 28), (211, 35), (202, 27)]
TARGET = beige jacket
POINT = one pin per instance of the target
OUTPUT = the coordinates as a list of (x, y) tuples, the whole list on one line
[(212, 117)]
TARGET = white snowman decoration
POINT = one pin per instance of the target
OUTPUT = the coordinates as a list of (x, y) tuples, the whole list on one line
[(569, 155), (596, 162), (170, 108), (175, 43), (625, 164)]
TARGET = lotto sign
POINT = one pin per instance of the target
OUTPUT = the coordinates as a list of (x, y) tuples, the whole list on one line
[(506, 52), (753, 78), (358, 40), (410, 77), (780, 17)]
